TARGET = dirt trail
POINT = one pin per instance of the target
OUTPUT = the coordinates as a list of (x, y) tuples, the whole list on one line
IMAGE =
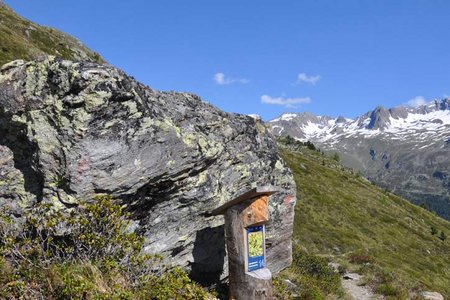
[(350, 283)]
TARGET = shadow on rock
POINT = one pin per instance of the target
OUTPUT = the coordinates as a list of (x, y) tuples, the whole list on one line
[(209, 256)]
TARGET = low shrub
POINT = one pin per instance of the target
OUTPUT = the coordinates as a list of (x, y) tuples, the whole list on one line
[(280, 290), (387, 289), (88, 252), (175, 284), (312, 275), (360, 257)]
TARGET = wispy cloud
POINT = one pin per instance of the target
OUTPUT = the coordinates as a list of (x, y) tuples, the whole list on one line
[(311, 79), (417, 101), (287, 102), (221, 79)]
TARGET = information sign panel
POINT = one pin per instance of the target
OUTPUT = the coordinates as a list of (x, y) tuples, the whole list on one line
[(256, 247)]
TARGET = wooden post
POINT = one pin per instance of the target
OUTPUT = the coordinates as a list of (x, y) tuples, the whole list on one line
[(245, 217)]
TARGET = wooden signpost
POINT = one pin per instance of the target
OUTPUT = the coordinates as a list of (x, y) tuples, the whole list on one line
[(245, 217)]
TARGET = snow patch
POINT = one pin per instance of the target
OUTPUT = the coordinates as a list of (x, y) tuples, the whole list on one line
[(284, 117), (255, 116)]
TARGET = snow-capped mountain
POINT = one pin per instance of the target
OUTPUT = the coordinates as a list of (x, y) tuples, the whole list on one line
[(429, 123), (403, 148)]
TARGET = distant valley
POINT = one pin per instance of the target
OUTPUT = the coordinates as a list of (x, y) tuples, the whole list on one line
[(403, 149)]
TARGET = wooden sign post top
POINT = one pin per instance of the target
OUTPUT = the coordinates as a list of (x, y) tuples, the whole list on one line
[(245, 217), (253, 194)]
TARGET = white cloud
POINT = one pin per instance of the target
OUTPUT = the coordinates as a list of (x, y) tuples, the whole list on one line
[(417, 101), (288, 102), (312, 79), (221, 79)]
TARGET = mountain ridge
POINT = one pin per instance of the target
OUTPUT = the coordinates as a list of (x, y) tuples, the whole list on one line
[(379, 118), (404, 149)]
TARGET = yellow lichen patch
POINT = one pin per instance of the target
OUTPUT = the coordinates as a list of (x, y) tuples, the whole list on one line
[(80, 118), (183, 238), (64, 122), (132, 109), (279, 165), (189, 139), (56, 204), (95, 99), (6, 72), (166, 125), (19, 119), (109, 124), (260, 127), (68, 199), (201, 178), (171, 163), (209, 147), (146, 123), (36, 79), (137, 163)]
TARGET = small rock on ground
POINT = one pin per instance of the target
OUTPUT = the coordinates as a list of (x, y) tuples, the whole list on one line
[(432, 296)]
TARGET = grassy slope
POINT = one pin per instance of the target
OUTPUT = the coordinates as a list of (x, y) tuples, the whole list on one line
[(22, 39), (339, 212)]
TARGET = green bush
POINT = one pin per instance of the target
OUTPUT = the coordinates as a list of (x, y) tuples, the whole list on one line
[(280, 290), (336, 157), (387, 289), (361, 257), (312, 276), (434, 230), (310, 145), (313, 293), (86, 253), (174, 284)]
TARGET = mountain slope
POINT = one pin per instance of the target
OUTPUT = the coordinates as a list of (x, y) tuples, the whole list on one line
[(340, 213), (23, 39), (404, 149)]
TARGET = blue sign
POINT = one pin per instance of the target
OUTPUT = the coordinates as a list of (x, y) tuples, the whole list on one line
[(255, 246)]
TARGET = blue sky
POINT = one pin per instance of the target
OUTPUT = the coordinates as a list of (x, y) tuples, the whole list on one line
[(267, 57)]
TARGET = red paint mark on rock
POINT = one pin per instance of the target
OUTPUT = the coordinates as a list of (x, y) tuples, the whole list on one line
[(288, 199), (83, 165)]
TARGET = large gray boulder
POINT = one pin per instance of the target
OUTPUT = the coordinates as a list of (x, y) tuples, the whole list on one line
[(69, 131)]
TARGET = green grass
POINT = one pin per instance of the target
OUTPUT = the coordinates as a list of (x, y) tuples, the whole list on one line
[(340, 214), (22, 39), (313, 278)]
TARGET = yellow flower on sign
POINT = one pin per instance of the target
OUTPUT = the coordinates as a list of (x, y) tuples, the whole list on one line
[(255, 244)]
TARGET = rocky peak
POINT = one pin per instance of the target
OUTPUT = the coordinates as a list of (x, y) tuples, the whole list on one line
[(379, 118), (341, 119), (71, 130), (399, 112), (444, 104)]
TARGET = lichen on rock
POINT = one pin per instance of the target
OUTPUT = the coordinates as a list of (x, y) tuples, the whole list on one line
[(71, 130)]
